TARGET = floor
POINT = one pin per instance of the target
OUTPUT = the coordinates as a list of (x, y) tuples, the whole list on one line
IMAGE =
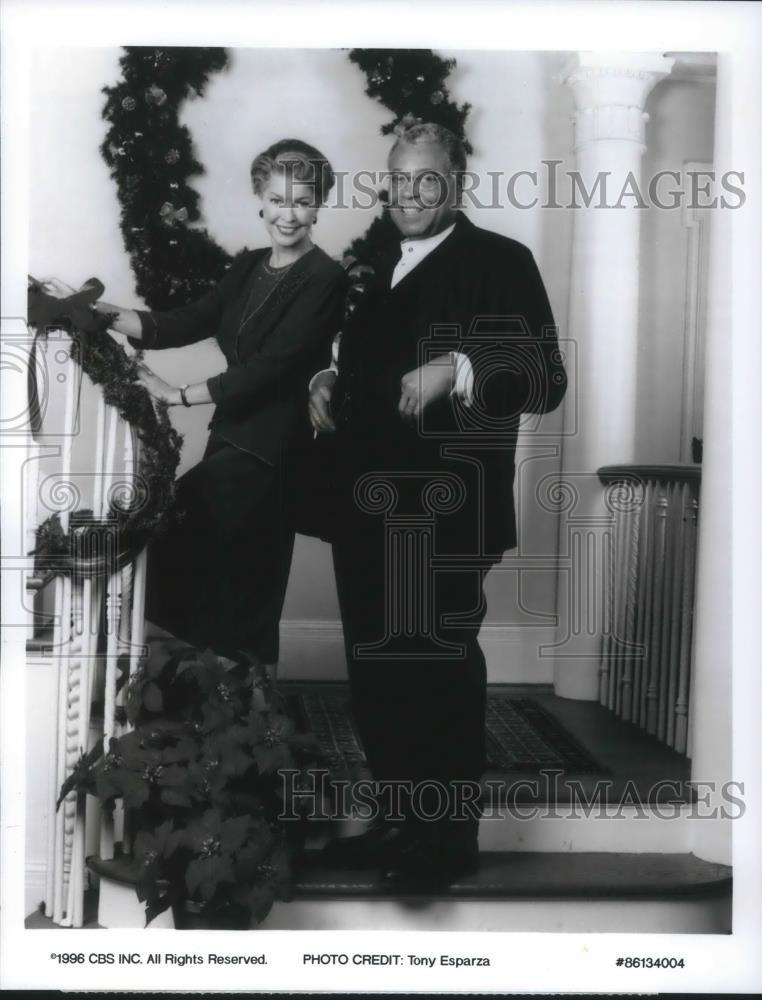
[(632, 762)]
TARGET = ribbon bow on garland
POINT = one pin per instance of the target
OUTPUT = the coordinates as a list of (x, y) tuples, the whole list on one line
[(170, 214), (46, 311), (108, 366)]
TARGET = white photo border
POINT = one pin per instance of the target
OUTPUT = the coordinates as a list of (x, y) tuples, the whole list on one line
[(521, 962)]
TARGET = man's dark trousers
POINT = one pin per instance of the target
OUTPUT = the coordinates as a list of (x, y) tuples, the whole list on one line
[(423, 510), (417, 680)]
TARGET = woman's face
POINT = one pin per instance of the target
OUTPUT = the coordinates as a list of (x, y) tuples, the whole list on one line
[(288, 208)]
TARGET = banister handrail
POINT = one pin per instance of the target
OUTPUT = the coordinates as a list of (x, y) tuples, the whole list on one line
[(154, 441), (650, 473)]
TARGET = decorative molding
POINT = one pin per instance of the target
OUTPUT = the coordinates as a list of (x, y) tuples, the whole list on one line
[(694, 67), (637, 65), (624, 122), (610, 91), (585, 74), (314, 650)]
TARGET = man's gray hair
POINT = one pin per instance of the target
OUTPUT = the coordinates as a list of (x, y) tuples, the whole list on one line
[(413, 130)]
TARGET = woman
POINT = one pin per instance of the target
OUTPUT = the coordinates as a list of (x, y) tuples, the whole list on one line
[(218, 578)]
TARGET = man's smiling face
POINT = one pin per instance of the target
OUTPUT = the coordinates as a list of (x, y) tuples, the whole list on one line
[(422, 190)]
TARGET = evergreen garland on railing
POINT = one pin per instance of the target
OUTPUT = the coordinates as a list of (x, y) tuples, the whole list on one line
[(150, 495)]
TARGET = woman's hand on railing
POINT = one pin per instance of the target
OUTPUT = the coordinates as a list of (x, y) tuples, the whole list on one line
[(124, 321), (157, 387)]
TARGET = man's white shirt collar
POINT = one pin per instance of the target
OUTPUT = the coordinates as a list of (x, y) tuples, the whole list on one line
[(413, 252)]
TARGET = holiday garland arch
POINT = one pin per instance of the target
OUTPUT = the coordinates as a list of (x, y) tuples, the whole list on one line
[(152, 161)]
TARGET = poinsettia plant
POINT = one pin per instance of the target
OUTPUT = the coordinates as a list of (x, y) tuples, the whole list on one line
[(198, 775)]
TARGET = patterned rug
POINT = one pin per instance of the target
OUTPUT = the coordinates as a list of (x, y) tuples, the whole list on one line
[(521, 734)]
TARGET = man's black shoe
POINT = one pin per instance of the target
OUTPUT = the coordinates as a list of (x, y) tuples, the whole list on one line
[(378, 846)]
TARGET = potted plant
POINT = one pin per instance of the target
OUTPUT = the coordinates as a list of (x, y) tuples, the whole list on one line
[(198, 777)]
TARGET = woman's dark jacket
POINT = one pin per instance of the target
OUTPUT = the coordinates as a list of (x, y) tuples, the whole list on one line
[(261, 399)]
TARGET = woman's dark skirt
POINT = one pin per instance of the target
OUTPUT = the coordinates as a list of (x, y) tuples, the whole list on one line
[(217, 579)]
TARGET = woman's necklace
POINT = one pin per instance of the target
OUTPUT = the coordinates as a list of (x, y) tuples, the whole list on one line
[(280, 273), (269, 269)]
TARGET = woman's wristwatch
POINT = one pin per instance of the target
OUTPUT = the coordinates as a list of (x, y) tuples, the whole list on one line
[(183, 397)]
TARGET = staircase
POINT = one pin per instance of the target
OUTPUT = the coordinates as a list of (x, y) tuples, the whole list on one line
[(550, 860)]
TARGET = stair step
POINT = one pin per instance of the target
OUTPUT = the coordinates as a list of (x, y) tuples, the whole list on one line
[(580, 893), (522, 875), (540, 875), (526, 891)]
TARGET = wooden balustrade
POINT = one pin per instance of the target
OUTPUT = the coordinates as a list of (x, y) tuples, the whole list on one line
[(646, 658), (97, 619)]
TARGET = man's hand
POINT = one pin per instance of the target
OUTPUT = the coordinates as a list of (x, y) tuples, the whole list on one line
[(424, 385), (321, 390)]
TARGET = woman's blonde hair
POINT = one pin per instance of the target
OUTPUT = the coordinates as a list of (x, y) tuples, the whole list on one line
[(301, 162)]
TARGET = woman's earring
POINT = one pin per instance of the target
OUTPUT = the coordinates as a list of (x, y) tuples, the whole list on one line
[(261, 213)]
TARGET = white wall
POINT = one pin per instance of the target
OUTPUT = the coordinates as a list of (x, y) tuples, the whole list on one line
[(680, 130)]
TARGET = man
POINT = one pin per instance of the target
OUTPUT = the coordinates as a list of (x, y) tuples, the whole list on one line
[(446, 348)]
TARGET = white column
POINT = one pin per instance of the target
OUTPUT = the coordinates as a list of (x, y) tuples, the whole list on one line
[(610, 90)]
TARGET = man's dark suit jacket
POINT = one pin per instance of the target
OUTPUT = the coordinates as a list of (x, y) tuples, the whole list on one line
[(261, 399), (478, 293)]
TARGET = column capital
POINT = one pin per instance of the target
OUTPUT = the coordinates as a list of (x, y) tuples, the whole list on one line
[(610, 91)]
